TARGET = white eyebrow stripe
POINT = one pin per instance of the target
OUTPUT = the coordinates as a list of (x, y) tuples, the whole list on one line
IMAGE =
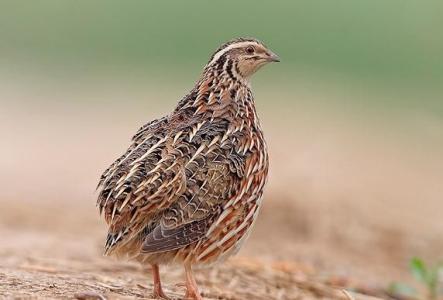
[(230, 47)]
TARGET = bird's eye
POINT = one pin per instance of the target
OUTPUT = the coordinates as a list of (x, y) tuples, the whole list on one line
[(250, 50)]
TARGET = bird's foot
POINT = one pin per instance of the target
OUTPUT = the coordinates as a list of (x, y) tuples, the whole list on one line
[(193, 295), (159, 293)]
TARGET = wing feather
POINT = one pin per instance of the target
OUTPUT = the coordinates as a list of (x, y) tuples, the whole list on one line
[(166, 239), (169, 185)]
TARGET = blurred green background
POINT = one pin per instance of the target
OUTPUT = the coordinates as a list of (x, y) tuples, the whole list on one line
[(353, 115), (395, 45)]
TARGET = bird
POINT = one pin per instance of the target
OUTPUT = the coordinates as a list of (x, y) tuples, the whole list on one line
[(189, 187)]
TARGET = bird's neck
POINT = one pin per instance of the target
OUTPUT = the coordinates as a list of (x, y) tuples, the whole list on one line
[(220, 97), (219, 88)]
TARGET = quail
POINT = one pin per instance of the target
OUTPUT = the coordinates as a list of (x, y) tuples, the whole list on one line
[(190, 185)]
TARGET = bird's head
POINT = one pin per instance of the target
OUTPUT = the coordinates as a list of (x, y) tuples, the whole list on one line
[(241, 57)]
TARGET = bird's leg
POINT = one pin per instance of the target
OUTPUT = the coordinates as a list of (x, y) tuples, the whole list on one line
[(191, 286), (158, 291)]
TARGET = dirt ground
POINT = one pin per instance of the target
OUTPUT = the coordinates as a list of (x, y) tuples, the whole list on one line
[(349, 201)]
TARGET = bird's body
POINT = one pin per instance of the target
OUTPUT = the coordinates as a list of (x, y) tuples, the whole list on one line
[(189, 187)]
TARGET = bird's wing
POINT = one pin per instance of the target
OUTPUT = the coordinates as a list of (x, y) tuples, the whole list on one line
[(166, 239), (170, 184), (212, 178), (209, 186)]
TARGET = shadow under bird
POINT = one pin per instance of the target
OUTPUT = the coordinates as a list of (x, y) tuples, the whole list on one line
[(189, 187)]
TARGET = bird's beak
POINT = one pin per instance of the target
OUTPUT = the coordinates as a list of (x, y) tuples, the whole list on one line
[(272, 57)]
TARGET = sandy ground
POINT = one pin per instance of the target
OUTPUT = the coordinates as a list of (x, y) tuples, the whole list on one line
[(349, 199)]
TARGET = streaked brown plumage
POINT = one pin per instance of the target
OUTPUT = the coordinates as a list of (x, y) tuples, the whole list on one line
[(189, 187)]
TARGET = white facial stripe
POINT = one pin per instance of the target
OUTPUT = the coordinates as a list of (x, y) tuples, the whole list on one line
[(230, 47)]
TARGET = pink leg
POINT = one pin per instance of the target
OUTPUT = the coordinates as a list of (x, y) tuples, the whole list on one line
[(191, 286), (158, 291)]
